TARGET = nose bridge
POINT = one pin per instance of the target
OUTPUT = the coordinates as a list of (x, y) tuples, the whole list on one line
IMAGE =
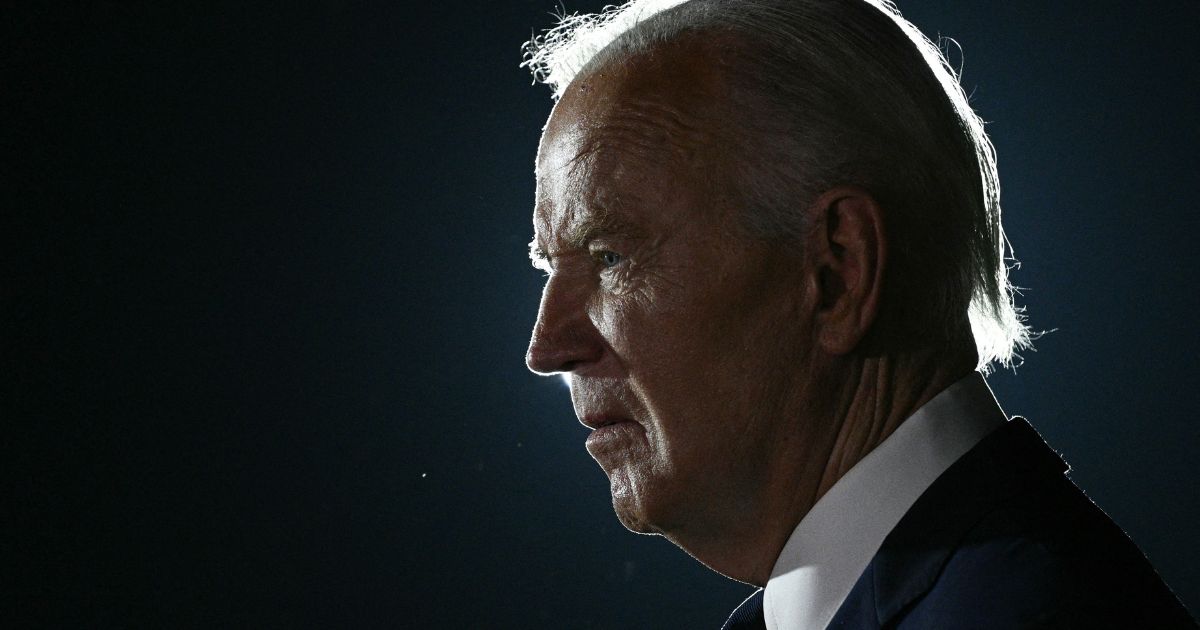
[(563, 336)]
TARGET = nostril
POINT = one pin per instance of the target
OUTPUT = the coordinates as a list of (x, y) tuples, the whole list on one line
[(568, 367)]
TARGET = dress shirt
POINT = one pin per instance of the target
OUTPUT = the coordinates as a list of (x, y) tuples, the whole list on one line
[(835, 541)]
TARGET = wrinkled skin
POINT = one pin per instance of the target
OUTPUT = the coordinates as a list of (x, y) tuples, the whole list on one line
[(661, 310)]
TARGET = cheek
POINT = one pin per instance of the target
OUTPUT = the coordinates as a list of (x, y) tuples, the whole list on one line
[(640, 306), (644, 335), (624, 319)]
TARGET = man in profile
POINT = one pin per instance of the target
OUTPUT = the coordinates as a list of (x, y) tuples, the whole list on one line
[(776, 272)]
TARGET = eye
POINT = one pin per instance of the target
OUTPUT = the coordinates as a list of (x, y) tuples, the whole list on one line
[(608, 258)]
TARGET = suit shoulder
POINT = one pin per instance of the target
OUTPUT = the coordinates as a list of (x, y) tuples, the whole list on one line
[(1048, 558)]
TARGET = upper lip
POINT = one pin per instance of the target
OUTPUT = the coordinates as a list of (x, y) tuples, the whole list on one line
[(597, 420)]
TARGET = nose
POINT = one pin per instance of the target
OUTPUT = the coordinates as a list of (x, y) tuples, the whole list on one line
[(564, 338)]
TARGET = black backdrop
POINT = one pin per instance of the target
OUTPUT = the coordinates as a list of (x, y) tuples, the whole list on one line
[(267, 297)]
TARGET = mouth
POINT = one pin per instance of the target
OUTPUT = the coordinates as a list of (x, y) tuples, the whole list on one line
[(596, 421), (610, 434)]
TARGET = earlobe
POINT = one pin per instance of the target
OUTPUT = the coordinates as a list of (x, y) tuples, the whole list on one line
[(850, 254)]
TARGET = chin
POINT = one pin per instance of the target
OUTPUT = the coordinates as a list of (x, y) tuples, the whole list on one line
[(636, 509), (632, 519)]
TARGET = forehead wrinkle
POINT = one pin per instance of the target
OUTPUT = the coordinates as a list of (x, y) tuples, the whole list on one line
[(647, 127), (600, 223), (634, 130), (629, 127), (674, 121)]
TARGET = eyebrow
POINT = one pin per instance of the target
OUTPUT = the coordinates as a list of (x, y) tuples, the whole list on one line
[(538, 256), (602, 224)]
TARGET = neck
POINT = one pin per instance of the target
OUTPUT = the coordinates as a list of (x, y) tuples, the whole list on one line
[(880, 395), (865, 400)]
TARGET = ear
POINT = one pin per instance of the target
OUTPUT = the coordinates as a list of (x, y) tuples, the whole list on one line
[(848, 246)]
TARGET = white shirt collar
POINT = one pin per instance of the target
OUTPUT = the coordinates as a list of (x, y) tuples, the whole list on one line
[(835, 541)]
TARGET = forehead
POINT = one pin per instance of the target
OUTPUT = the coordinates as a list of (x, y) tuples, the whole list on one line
[(668, 95), (629, 132)]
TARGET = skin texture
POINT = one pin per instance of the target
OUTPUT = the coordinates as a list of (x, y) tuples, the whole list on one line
[(728, 367)]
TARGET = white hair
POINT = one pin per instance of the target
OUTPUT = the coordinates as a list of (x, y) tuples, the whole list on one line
[(559, 54), (859, 96)]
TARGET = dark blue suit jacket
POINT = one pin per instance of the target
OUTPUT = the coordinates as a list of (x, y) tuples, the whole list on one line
[(1003, 539)]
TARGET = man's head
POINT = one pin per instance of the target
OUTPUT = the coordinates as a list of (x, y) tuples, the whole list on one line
[(738, 204), (677, 331)]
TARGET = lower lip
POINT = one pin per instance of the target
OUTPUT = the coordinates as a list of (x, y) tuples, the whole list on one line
[(609, 434)]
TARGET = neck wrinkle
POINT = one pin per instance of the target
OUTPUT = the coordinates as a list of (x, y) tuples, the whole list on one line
[(881, 393)]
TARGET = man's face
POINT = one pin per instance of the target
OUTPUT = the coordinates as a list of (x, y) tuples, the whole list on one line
[(680, 335)]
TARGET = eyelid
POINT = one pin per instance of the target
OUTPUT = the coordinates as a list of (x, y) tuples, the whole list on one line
[(600, 254)]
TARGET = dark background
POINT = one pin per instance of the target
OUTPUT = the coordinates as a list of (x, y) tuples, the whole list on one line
[(267, 296)]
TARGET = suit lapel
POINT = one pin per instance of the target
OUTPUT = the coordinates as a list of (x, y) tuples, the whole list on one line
[(913, 554), (748, 615)]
